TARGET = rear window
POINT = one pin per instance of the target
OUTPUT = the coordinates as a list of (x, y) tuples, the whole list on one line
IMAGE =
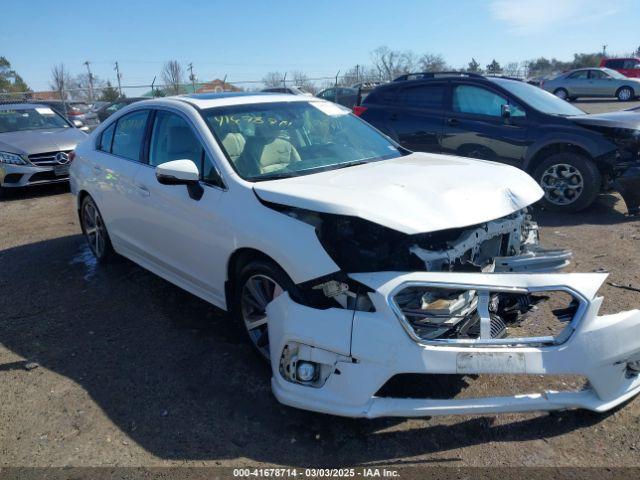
[(423, 96), (615, 63), (384, 96)]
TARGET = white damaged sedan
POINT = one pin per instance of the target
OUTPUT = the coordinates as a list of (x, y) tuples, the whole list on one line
[(351, 262)]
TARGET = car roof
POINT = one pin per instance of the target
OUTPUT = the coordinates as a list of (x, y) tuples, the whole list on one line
[(223, 99), (21, 106)]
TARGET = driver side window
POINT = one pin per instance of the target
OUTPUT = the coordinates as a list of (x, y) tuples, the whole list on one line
[(480, 101), (172, 138)]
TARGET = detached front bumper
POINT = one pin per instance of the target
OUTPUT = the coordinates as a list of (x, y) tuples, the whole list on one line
[(360, 351)]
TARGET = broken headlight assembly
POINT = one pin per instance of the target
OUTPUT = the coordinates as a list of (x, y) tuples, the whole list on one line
[(494, 316)]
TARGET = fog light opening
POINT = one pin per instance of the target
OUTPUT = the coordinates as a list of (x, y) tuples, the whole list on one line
[(306, 371)]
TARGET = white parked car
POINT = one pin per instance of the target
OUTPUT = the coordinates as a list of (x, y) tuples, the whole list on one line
[(349, 260)]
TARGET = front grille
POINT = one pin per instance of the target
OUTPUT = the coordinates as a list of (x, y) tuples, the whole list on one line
[(45, 159)]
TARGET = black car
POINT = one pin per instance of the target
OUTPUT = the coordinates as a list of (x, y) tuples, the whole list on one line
[(573, 155), (342, 95), (111, 108)]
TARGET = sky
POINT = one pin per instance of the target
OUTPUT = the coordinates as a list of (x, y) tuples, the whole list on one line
[(245, 39)]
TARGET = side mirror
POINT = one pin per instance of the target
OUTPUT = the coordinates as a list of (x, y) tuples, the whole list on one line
[(505, 111), (77, 123), (181, 172)]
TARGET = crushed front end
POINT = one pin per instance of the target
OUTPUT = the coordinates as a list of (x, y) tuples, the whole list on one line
[(481, 300)]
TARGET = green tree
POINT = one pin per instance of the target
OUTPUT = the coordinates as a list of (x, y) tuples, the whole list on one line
[(583, 60), (10, 81), (474, 66), (494, 68), (109, 94)]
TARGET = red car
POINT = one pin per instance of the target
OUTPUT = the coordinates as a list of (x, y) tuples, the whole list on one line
[(626, 66)]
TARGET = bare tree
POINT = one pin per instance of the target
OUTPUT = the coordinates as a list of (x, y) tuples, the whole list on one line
[(60, 80), (273, 79), (82, 87), (430, 62), (172, 76), (301, 80), (390, 64), (511, 69)]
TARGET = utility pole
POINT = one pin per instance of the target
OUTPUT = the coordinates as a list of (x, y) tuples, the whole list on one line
[(90, 81), (118, 76), (192, 77), (604, 50)]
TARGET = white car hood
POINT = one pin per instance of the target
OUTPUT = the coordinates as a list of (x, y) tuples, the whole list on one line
[(418, 193)]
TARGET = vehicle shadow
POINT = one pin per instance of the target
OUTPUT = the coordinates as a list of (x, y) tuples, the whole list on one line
[(35, 191), (175, 375), (608, 209)]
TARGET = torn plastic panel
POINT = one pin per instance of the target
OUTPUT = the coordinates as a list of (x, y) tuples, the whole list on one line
[(605, 350)]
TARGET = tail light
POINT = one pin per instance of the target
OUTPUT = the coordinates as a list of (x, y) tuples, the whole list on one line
[(74, 111), (358, 110)]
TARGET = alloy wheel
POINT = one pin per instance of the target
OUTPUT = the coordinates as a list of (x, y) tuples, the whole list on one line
[(256, 293), (94, 229), (562, 184), (561, 94), (624, 94)]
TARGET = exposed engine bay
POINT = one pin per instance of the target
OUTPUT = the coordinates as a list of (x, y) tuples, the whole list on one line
[(508, 244)]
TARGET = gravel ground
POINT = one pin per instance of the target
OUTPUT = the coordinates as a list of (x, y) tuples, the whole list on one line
[(114, 366)]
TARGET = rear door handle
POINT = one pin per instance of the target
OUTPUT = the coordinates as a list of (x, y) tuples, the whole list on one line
[(453, 121)]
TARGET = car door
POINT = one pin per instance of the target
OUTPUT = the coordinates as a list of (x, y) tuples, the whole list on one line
[(631, 68), (118, 156), (474, 125), (177, 233), (601, 84), (577, 83), (416, 116)]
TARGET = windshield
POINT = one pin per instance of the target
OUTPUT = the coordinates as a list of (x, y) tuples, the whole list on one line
[(30, 119), (614, 73), (539, 99), (288, 139)]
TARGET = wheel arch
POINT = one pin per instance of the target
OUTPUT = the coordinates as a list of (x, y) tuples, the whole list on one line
[(237, 260), (551, 149)]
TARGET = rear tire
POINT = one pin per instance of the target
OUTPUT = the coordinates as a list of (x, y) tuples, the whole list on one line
[(561, 93), (571, 182), (95, 230), (624, 94), (258, 282)]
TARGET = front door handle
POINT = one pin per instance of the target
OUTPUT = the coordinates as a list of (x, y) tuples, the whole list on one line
[(143, 190), (453, 121)]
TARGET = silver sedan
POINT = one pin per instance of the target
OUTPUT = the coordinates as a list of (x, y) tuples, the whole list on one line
[(593, 82), (35, 145)]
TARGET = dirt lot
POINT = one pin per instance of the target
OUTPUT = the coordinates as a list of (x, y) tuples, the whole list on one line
[(132, 371)]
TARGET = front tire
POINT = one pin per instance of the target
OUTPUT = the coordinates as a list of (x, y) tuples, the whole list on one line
[(624, 94), (259, 282), (94, 230), (561, 93), (571, 182)]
